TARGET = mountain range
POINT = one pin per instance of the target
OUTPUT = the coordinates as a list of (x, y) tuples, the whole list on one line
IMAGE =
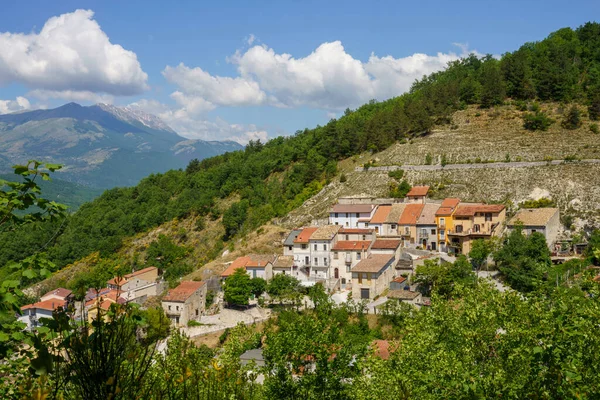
[(100, 146)]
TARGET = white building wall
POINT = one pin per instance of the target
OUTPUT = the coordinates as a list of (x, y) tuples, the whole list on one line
[(350, 220)]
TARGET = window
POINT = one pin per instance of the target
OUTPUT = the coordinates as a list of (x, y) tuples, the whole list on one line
[(442, 221), (442, 234), (360, 278), (348, 268), (315, 247), (304, 247), (364, 237), (335, 255), (316, 261), (357, 215), (433, 231), (347, 224), (169, 308), (346, 215), (196, 312), (290, 248), (177, 307), (325, 261), (347, 237), (336, 215), (368, 277), (407, 230), (358, 256), (488, 217), (306, 260), (394, 226), (377, 229), (324, 247)]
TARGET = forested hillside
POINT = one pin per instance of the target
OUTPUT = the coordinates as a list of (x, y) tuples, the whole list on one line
[(268, 180)]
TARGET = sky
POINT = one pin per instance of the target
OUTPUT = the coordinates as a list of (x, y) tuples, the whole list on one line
[(239, 70)]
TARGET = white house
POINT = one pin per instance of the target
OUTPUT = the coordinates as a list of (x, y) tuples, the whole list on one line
[(321, 242), (352, 215), (288, 243), (543, 220), (32, 313)]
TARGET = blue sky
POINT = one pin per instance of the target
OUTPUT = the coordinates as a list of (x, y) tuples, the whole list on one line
[(195, 64)]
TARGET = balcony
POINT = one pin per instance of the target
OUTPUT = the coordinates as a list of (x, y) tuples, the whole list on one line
[(459, 231)]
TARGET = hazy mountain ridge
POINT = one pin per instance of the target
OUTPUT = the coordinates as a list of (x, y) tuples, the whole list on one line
[(100, 146)]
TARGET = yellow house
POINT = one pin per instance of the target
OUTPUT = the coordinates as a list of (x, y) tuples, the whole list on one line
[(445, 222), (474, 221)]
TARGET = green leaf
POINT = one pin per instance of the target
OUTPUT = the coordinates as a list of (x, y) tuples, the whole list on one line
[(29, 273)]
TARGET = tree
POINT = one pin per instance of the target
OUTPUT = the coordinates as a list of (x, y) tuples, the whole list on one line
[(238, 288), (441, 277), (284, 287), (572, 119), (234, 217), (493, 91), (259, 286), (480, 251), (537, 121)]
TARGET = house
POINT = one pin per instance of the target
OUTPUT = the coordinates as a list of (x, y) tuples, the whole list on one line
[(474, 221), (256, 265), (345, 255), (427, 227), (444, 222), (321, 242), (32, 313), (356, 234), (390, 226), (407, 226), (59, 294), (417, 194), (302, 252), (138, 285), (387, 246), (399, 283), (407, 296), (186, 302), (379, 218), (285, 265), (101, 303), (372, 275), (288, 243), (543, 220), (352, 215)]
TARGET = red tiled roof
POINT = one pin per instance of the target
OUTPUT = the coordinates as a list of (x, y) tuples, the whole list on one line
[(450, 202), (352, 245), (470, 210), (350, 231), (352, 208), (305, 235), (399, 279), (182, 292), (411, 214), (249, 261), (381, 214), (60, 292), (50, 305), (444, 211), (418, 191), (373, 263), (239, 262), (386, 244)]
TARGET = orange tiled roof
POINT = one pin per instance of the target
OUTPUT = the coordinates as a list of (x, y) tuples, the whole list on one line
[(386, 244), (351, 245), (182, 292), (418, 191), (399, 279), (444, 211), (411, 214), (470, 210), (381, 214), (50, 305), (60, 292), (239, 262), (450, 202), (305, 235)]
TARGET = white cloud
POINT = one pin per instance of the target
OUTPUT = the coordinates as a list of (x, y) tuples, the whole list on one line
[(72, 95), (190, 123), (70, 53), (19, 104), (329, 78), (250, 39)]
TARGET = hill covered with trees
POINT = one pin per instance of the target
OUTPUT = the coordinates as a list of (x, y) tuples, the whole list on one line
[(267, 180)]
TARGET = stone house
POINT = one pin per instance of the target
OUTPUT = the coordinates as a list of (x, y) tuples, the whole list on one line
[(138, 285), (185, 303), (417, 194), (372, 275), (543, 220), (379, 218), (32, 313), (390, 226), (345, 255)]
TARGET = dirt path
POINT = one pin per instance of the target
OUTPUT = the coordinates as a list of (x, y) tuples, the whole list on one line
[(438, 167)]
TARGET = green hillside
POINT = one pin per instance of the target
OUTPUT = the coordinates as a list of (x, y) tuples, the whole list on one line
[(271, 179)]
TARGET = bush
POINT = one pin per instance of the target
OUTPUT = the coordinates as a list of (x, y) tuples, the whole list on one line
[(572, 119), (594, 128), (521, 105), (210, 298), (537, 122), (343, 178), (444, 160), (224, 336), (428, 159), (397, 174), (571, 158), (507, 158), (192, 323)]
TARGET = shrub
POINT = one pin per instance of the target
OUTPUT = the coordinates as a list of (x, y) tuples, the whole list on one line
[(224, 336), (210, 298), (444, 160), (428, 159), (594, 128), (534, 107), (507, 158), (192, 323), (571, 158), (572, 119), (537, 122), (343, 178), (521, 105), (397, 174)]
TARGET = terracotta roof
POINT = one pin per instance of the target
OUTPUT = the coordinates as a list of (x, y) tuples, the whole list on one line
[(410, 214), (381, 214), (259, 260), (428, 212), (418, 191), (305, 235), (386, 244), (326, 232), (382, 348), (60, 292), (350, 231), (141, 271), (395, 213), (468, 210), (182, 292), (403, 294), (534, 216), (50, 305), (352, 208), (450, 202), (399, 279), (373, 263), (352, 245), (239, 262), (444, 211), (289, 240), (284, 262), (119, 281)]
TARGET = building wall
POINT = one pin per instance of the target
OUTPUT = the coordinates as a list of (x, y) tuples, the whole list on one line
[(428, 236), (376, 283), (31, 317), (390, 229), (349, 220), (149, 276), (409, 240), (192, 309), (265, 273), (448, 225), (342, 266), (552, 229)]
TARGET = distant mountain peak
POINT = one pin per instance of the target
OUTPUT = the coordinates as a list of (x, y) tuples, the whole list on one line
[(132, 115)]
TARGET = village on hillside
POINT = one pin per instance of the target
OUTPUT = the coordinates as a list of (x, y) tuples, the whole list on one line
[(367, 250)]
